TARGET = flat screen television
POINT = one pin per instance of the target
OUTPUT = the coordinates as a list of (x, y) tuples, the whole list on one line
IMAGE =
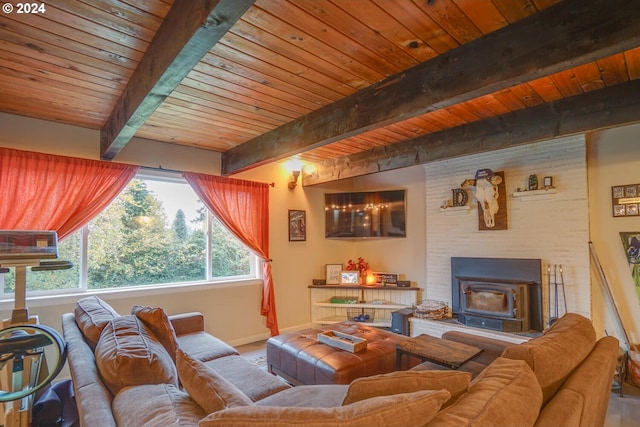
[(365, 214)]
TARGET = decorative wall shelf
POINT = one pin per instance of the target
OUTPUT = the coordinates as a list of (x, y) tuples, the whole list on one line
[(456, 210), (543, 194)]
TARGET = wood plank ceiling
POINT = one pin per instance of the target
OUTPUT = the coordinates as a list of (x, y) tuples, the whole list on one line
[(353, 86)]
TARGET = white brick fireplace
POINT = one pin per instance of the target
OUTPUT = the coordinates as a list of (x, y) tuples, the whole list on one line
[(554, 229)]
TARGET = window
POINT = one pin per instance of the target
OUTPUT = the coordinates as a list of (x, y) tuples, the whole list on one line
[(156, 232)]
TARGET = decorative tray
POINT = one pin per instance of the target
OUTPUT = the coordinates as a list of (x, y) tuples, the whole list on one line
[(343, 341)]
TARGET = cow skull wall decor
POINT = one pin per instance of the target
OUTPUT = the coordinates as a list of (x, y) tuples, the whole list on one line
[(490, 194)]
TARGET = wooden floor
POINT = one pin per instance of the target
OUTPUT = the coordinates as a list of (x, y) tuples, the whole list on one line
[(623, 411)]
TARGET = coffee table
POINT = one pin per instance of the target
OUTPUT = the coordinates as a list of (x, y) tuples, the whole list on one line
[(451, 354), (299, 358)]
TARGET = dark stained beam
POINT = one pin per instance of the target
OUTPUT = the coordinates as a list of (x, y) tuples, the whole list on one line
[(614, 106), (568, 34), (188, 32)]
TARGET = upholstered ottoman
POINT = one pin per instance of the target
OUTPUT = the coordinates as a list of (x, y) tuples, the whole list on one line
[(299, 358)]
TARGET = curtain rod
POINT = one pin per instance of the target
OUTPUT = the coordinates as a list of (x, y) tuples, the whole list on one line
[(159, 168)]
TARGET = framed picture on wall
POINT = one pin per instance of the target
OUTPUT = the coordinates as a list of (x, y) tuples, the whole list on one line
[(297, 226), (625, 200)]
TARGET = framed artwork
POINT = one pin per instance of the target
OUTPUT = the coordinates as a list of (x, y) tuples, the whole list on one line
[(297, 226), (350, 277), (332, 275), (491, 196), (625, 200), (631, 245), (387, 278)]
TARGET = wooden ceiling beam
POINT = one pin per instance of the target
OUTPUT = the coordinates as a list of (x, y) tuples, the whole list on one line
[(614, 106), (190, 29), (568, 34)]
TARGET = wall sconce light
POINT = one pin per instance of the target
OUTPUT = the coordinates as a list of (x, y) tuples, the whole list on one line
[(294, 179)]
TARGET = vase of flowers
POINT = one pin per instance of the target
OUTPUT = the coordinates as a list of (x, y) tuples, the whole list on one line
[(361, 266)]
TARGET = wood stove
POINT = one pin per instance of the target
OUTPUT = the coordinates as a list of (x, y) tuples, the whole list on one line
[(503, 294), (502, 305)]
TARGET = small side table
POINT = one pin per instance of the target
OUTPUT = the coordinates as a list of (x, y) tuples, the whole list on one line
[(437, 350)]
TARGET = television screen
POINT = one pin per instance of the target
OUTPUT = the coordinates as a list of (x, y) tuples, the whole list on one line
[(365, 214)]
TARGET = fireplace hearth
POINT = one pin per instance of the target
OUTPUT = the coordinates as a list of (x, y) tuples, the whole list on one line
[(502, 294)]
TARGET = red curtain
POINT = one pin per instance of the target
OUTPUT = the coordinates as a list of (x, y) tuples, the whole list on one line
[(243, 207), (47, 192)]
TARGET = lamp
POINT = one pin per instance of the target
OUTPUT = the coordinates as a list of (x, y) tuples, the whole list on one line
[(294, 179), (371, 279)]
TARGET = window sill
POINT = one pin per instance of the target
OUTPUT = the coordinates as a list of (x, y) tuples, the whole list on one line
[(117, 293)]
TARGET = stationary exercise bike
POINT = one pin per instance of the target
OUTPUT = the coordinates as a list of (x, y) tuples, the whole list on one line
[(26, 346)]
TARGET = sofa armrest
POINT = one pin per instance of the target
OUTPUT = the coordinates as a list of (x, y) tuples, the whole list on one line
[(92, 397), (187, 323)]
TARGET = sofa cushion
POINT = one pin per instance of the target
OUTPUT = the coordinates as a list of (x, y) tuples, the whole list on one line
[(400, 410), (308, 396), (92, 314), (155, 405), (208, 389), (581, 399), (156, 319), (504, 394), (204, 346), (407, 382), (563, 410), (128, 354), (256, 383), (553, 356)]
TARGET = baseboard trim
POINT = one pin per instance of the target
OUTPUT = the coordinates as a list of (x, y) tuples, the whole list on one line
[(266, 335)]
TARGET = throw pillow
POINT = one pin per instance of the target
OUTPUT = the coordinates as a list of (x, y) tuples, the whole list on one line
[(211, 391), (400, 410), (456, 382), (157, 320), (92, 314), (129, 354), (506, 393)]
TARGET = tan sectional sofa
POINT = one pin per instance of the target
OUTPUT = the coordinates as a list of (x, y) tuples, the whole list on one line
[(149, 369)]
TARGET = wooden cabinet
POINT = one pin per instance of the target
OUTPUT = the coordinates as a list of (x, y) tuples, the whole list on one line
[(368, 298)]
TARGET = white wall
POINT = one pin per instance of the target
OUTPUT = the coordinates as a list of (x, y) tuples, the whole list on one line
[(556, 229), (404, 256), (23, 133), (614, 159), (296, 263)]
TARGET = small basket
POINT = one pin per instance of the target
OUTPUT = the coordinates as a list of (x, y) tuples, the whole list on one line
[(430, 309), (362, 315)]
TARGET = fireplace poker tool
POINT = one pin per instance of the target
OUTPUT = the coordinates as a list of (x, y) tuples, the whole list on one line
[(553, 319), (555, 289), (564, 294), (556, 296), (549, 295)]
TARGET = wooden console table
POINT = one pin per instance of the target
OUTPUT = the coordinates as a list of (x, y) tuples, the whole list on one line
[(443, 352), (323, 312)]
